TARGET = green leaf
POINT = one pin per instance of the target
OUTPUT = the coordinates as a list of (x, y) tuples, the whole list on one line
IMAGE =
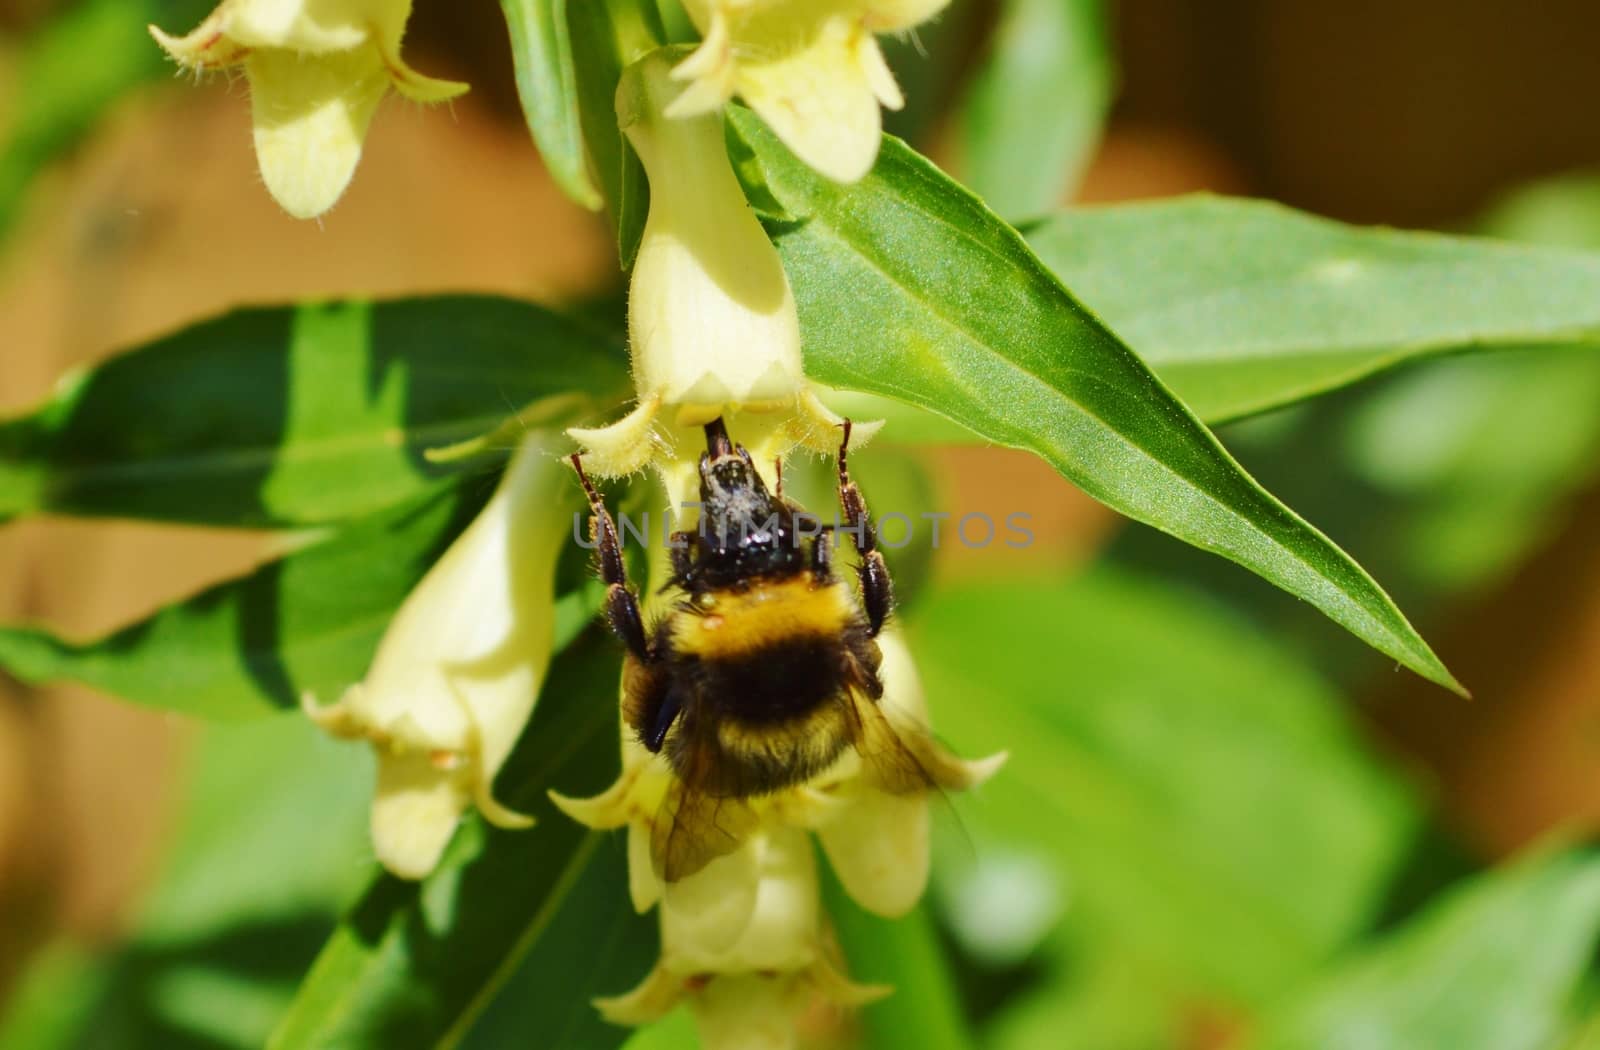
[(45, 1008), (1034, 111), (295, 415), (676, 1031), (547, 84), (246, 851), (924, 1010), (1562, 211), (248, 888), (591, 919), (606, 36), (1494, 966), (70, 71), (1097, 997), (907, 286), (415, 965), (1245, 305), (1167, 763), (306, 623)]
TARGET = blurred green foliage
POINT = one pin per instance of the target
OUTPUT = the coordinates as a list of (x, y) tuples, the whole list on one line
[(73, 69)]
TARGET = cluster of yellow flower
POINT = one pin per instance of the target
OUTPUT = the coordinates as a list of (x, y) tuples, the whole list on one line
[(743, 938), (713, 332)]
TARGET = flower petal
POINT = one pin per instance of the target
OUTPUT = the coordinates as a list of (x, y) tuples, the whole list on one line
[(635, 796), (782, 930), (311, 26), (494, 612), (878, 847), (840, 990), (894, 16), (749, 1012), (624, 447), (650, 1000), (711, 316), (419, 88), (709, 71), (458, 671), (205, 48), (644, 889), (876, 69), (821, 100), (415, 810), (704, 915), (690, 830), (495, 811), (311, 114)]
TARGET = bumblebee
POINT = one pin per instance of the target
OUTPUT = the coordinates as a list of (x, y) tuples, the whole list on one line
[(763, 669)]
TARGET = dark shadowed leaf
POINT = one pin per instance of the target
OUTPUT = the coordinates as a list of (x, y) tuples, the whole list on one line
[(308, 622), (295, 415)]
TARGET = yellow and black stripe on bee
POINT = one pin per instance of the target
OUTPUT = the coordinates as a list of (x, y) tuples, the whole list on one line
[(753, 679)]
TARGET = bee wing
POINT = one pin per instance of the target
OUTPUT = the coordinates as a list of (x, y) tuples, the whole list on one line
[(888, 763), (901, 756), (692, 829)]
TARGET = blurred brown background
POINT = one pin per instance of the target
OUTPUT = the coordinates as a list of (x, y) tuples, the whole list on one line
[(1412, 113)]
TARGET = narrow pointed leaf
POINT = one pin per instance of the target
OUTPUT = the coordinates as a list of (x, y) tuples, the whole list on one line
[(1495, 966), (607, 35), (1035, 109), (905, 954), (541, 50), (1245, 305), (907, 286), (295, 415), (246, 647)]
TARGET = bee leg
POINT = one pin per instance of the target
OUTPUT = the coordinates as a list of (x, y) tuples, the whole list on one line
[(822, 554), (622, 608), (665, 715), (877, 590)]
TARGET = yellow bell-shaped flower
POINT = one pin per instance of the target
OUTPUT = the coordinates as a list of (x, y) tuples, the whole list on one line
[(877, 838), (712, 324), (456, 675), (749, 980), (317, 71)]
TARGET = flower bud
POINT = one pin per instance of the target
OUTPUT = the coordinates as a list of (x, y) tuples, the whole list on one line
[(317, 71), (456, 675)]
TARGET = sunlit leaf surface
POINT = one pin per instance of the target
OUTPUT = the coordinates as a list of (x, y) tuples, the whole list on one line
[(908, 287)]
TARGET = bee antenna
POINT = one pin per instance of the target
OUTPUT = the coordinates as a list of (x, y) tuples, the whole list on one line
[(718, 443)]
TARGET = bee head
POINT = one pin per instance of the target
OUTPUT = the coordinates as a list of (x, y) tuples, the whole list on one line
[(744, 530), (727, 474)]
